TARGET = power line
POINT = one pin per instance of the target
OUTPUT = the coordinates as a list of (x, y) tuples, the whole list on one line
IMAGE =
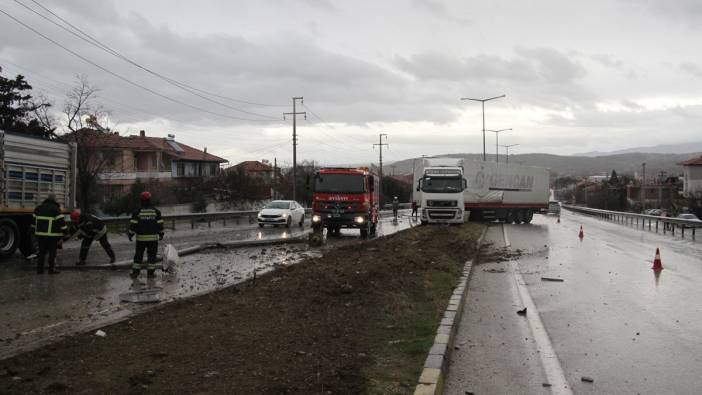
[(124, 78), (188, 88)]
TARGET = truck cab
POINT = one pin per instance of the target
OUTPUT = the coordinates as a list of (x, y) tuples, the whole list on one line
[(440, 192), (345, 198)]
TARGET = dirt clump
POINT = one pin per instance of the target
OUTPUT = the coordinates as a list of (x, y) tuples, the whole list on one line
[(321, 326)]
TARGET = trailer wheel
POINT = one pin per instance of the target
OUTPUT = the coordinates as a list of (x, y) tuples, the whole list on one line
[(9, 237), (509, 218), (528, 216)]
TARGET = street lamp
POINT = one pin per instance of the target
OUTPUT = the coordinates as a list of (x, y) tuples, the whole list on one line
[(482, 101), (507, 149), (497, 132)]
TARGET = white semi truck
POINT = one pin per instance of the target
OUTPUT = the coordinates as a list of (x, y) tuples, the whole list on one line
[(507, 192), (31, 169), (438, 190)]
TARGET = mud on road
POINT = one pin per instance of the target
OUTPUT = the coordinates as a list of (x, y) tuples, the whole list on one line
[(359, 319)]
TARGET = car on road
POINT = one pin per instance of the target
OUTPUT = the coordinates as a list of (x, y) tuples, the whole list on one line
[(690, 217), (554, 207), (282, 212), (653, 211)]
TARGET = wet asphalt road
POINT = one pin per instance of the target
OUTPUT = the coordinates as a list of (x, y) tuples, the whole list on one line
[(613, 319), (38, 309)]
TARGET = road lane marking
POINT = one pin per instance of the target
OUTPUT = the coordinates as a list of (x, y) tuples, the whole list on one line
[(549, 359)]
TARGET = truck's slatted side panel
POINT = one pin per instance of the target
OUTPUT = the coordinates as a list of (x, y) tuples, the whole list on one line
[(33, 169)]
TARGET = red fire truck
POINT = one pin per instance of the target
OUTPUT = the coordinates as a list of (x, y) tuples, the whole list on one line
[(345, 198)]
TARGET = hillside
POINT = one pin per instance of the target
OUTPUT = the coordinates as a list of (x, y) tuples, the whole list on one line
[(685, 148), (580, 165)]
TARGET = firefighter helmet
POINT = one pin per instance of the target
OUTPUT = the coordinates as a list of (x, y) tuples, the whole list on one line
[(145, 196)]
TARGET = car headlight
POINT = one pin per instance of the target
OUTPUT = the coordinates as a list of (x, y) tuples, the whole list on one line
[(284, 215), (316, 218), (359, 220)]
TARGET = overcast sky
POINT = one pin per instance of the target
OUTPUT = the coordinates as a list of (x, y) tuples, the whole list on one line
[(579, 76)]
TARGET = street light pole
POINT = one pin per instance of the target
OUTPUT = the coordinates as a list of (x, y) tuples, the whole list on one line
[(482, 102), (507, 149), (497, 132)]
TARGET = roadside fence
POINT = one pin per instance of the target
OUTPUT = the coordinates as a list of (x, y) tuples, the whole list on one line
[(653, 222)]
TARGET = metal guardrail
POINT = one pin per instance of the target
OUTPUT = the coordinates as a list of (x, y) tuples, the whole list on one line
[(194, 218), (669, 224)]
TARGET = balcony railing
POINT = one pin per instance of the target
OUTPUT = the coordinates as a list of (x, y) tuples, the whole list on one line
[(134, 175)]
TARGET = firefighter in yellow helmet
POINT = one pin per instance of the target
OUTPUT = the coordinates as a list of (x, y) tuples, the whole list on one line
[(146, 224)]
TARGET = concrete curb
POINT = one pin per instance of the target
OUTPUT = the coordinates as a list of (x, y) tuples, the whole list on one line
[(431, 380)]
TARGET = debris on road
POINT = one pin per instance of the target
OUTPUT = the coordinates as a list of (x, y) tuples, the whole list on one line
[(554, 279), (494, 270), (100, 333), (587, 379), (522, 311), (149, 295)]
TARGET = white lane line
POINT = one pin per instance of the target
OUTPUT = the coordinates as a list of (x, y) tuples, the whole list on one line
[(549, 359)]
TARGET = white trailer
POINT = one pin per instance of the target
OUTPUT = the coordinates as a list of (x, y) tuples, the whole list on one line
[(507, 192), (438, 190), (31, 169)]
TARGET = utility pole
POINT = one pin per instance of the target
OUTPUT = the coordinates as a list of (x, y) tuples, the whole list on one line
[(380, 145), (275, 177), (643, 185), (294, 114), (507, 149), (482, 101), (497, 152)]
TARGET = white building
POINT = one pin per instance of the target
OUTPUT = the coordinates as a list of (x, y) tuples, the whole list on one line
[(692, 177)]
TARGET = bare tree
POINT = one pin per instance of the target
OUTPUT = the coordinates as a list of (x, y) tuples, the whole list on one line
[(82, 109), (84, 123), (41, 105)]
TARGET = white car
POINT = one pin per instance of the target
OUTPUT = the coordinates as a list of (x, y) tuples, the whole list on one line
[(690, 217), (282, 212)]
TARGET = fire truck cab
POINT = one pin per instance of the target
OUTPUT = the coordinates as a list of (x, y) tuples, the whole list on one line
[(345, 198)]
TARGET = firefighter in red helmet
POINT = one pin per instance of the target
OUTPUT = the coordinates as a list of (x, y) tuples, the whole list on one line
[(146, 224)]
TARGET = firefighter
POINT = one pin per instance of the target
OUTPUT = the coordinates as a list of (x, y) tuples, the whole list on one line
[(90, 228), (49, 229), (147, 225)]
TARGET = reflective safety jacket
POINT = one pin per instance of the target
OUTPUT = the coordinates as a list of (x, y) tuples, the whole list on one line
[(48, 220), (146, 224), (90, 227)]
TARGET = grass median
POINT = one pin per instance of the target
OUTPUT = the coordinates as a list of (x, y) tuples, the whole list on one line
[(360, 319)]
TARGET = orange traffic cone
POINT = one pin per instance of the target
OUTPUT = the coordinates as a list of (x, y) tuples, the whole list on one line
[(581, 234), (657, 265)]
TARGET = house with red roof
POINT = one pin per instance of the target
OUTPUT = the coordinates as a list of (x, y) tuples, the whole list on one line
[(255, 169), (126, 159)]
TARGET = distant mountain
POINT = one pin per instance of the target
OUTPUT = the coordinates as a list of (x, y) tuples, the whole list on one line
[(580, 166), (656, 149)]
